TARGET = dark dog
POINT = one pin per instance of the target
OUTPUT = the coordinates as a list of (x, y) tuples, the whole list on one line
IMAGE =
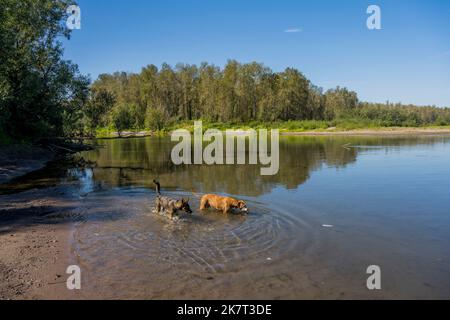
[(168, 205), (224, 204)]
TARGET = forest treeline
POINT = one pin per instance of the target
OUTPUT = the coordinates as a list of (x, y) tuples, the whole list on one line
[(239, 93), (43, 95)]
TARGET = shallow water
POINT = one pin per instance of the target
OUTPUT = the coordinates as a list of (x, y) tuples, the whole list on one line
[(337, 206)]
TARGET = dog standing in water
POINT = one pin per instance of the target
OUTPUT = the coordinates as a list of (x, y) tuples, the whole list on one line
[(168, 205), (224, 204)]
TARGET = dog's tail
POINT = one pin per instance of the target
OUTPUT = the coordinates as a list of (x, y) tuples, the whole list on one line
[(158, 187)]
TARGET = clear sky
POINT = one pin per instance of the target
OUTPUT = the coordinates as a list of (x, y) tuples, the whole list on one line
[(407, 61)]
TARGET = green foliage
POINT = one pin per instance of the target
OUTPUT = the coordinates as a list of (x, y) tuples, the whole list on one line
[(40, 93), (339, 102), (156, 119), (248, 95), (100, 104), (122, 118)]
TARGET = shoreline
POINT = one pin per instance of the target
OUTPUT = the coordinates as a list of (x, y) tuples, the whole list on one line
[(394, 131), (19, 160), (374, 132), (36, 225)]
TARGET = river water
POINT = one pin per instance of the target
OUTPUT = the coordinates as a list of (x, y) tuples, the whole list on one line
[(337, 206)]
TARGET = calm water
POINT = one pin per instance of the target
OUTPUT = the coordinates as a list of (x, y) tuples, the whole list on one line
[(387, 201)]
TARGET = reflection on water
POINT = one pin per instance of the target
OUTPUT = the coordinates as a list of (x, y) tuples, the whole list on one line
[(137, 161), (387, 200)]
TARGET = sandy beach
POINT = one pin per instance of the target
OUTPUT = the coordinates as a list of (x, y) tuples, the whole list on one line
[(35, 230)]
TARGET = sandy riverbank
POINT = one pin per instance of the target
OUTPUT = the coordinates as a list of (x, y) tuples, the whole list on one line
[(397, 131), (35, 230), (374, 132), (35, 233)]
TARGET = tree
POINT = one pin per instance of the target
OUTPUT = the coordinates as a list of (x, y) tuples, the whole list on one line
[(316, 103), (101, 103), (228, 99), (156, 118), (292, 95), (208, 92), (122, 118), (169, 91), (339, 102), (40, 92)]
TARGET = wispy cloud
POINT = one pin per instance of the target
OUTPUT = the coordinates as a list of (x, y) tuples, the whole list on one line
[(293, 30)]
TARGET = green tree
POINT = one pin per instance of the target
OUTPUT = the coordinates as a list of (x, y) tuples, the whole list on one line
[(100, 104), (122, 118), (156, 118), (208, 92), (228, 99), (292, 95), (340, 102), (41, 94)]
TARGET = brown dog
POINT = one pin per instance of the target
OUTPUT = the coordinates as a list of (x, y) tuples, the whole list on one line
[(224, 204)]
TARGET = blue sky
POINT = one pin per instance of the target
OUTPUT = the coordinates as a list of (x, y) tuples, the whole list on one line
[(407, 61)]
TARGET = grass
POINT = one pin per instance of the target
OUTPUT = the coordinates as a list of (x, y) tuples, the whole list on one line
[(283, 126)]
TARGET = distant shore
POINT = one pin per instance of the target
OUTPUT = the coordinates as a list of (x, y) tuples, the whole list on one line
[(382, 131), (374, 132)]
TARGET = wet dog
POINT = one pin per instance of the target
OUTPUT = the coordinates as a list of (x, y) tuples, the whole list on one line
[(168, 205), (224, 204)]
